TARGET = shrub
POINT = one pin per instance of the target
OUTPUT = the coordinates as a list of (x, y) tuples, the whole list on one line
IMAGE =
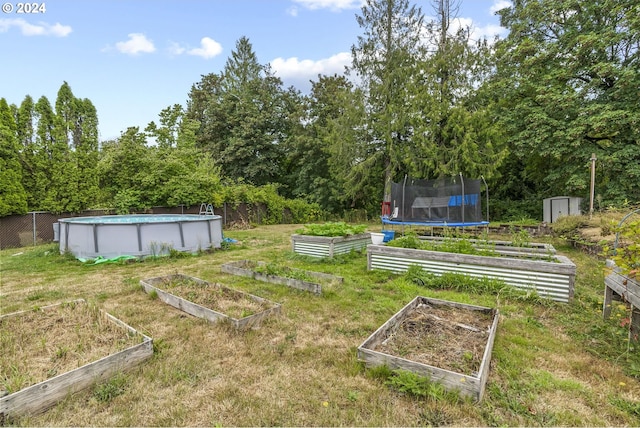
[(339, 228)]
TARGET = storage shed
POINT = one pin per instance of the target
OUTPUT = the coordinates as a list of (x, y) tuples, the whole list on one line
[(556, 207)]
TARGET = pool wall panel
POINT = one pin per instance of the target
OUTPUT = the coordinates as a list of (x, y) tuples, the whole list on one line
[(113, 236)]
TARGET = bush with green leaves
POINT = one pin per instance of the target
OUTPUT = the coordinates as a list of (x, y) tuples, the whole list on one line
[(338, 228), (627, 255)]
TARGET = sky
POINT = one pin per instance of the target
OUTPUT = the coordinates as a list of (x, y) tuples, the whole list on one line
[(133, 58)]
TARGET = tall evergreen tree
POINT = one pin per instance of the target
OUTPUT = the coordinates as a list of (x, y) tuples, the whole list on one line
[(243, 114), (320, 162), (384, 57), (26, 125), (13, 198), (455, 130)]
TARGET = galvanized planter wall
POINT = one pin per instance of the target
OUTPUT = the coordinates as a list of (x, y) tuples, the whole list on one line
[(551, 279), (43, 395), (467, 385), (149, 285), (329, 246), (246, 268)]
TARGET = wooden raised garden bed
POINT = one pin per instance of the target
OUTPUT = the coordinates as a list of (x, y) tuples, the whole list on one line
[(329, 246), (213, 302), (51, 352), (295, 278), (553, 279), (629, 290), (448, 342)]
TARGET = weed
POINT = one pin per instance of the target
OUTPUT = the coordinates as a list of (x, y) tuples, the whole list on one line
[(106, 391), (410, 383), (332, 229)]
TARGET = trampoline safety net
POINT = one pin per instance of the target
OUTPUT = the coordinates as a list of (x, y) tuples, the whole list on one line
[(450, 200)]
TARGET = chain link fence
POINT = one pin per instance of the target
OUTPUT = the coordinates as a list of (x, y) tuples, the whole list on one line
[(36, 227)]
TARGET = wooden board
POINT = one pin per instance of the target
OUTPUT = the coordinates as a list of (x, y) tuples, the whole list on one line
[(246, 268), (252, 321), (467, 385), (43, 395), (629, 290)]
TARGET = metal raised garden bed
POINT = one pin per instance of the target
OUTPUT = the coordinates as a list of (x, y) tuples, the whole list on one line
[(329, 246), (550, 279), (420, 316)]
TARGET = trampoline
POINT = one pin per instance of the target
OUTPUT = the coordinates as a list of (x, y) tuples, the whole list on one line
[(448, 202)]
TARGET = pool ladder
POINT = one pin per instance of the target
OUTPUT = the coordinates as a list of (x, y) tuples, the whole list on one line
[(206, 209)]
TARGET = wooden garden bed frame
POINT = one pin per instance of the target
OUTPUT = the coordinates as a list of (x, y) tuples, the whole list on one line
[(251, 321), (245, 268), (629, 290), (329, 246), (467, 385), (41, 396), (550, 279)]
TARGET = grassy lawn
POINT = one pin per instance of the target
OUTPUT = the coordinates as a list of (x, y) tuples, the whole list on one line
[(553, 364)]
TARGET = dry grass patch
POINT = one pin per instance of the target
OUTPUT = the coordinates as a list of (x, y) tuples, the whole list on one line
[(42, 343), (214, 296), (446, 337)]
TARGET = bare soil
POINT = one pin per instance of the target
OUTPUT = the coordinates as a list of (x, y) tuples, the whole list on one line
[(42, 343), (445, 337)]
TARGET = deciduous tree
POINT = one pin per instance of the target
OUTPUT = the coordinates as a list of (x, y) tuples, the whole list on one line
[(570, 73)]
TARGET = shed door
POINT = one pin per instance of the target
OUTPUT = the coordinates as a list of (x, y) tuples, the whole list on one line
[(559, 208)]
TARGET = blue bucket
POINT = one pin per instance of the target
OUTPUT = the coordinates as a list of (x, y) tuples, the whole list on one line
[(388, 235)]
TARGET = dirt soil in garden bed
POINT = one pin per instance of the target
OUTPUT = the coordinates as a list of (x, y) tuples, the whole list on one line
[(445, 337), (217, 297), (40, 344)]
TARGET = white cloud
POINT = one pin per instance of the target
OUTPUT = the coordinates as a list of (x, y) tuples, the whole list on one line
[(209, 48), (499, 4), (176, 48), (298, 73), (293, 11), (489, 31), (136, 44), (334, 5), (40, 29)]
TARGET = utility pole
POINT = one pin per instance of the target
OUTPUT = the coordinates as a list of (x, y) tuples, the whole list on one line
[(593, 179)]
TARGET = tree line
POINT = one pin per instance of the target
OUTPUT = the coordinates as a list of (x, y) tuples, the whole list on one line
[(420, 97)]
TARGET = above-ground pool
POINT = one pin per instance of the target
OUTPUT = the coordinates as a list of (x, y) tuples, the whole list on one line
[(138, 235)]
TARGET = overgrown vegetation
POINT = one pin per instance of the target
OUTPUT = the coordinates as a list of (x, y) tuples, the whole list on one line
[(448, 245), (552, 364), (338, 228), (627, 254)]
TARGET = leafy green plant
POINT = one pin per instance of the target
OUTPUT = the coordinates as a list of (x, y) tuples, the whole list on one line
[(627, 255), (469, 284), (339, 228), (420, 386), (107, 391), (448, 245), (520, 237), (283, 271)]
